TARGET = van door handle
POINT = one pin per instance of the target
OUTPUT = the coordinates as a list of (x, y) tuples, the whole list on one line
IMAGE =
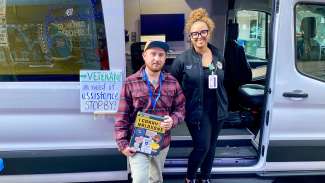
[(295, 94)]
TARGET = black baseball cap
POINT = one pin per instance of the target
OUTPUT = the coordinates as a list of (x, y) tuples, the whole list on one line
[(156, 44)]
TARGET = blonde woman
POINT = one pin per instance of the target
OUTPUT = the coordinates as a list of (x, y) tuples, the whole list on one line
[(200, 70)]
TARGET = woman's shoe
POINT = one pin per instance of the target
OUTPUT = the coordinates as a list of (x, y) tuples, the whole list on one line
[(205, 181), (190, 180)]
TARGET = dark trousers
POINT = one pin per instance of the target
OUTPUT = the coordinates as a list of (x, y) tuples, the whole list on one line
[(204, 138)]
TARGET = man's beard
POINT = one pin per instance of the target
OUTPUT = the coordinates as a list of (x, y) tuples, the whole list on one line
[(155, 69)]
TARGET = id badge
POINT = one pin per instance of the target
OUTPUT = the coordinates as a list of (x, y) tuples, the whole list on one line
[(213, 81)]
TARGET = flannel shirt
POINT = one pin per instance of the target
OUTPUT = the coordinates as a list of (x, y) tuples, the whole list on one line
[(135, 97)]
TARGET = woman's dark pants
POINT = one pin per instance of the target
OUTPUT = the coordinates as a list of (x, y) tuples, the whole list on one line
[(204, 138)]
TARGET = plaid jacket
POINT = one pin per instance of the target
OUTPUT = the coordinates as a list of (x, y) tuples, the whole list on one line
[(135, 97)]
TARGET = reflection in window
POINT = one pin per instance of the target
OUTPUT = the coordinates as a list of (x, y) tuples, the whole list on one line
[(310, 40), (253, 27), (51, 40)]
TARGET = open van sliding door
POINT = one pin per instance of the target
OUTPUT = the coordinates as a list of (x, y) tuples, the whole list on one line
[(296, 107), (44, 45)]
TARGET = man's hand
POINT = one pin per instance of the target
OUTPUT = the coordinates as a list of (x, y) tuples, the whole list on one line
[(129, 151), (167, 123)]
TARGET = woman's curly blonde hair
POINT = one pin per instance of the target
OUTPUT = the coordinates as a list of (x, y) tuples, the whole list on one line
[(196, 15)]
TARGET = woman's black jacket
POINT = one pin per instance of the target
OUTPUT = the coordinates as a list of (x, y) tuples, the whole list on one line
[(187, 68)]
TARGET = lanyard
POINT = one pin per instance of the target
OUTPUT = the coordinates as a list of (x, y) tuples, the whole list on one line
[(211, 67), (153, 101)]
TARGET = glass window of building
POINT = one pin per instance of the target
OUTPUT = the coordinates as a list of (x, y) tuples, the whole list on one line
[(253, 33)]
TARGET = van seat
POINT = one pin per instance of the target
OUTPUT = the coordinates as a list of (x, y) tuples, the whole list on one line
[(251, 95)]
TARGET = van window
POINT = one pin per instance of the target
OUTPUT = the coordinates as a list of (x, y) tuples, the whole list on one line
[(51, 40), (310, 39), (253, 33)]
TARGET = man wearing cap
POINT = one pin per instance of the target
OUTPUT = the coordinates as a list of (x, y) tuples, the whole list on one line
[(153, 91)]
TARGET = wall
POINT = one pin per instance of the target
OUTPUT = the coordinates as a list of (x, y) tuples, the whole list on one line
[(133, 9), (131, 19)]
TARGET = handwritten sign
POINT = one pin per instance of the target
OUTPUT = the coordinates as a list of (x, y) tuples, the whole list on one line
[(100, 90)]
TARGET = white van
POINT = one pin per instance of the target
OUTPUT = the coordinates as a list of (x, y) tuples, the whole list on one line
[(44, 45), (279, 126)]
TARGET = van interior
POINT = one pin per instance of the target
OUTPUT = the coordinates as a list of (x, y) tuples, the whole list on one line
[(243, 34)]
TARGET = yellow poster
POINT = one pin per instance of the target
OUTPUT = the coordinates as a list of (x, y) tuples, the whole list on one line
[(147, 135)]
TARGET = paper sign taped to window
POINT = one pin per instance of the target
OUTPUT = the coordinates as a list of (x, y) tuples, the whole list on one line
[(100, 90)]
